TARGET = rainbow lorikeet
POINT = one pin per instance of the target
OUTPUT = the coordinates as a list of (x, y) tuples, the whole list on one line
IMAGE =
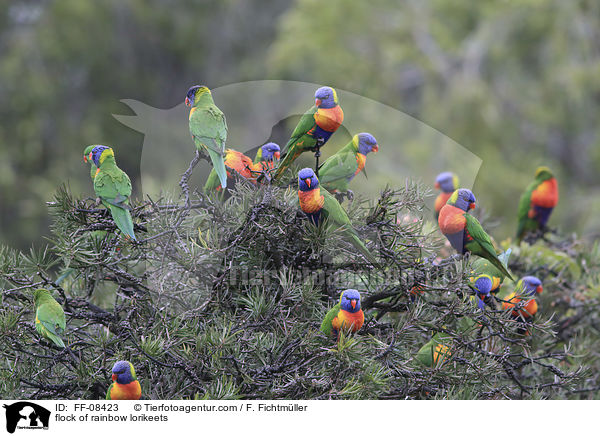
[(448, 183), (314, 128), (336, 172), (49, 316), (435, 352), (208, 128), (347, 314), (526, 290), (482, 285), (537, 202), (267, 155), (464, 231), (86, 159), (113, 187), (125, 384), (234, 161), (484, 266), (319, 205)]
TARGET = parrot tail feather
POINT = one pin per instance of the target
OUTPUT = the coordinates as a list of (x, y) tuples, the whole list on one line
[(123, 220), (219, 166)]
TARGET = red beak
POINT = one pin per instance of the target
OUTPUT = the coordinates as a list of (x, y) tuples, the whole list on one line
[(317, 102), (375, 148), (472, 206), (114, 377), (276, 155), (437, 185), (84, 159), (188, 102), (307, 181), (353, 303), (539, 289)]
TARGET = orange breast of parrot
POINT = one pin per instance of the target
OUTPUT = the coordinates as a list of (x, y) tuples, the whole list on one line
[(441, 200), (361, 160), (191, 112), (311, 201), (354, 321), (440, 353), (529, 309), (240, 163), (329, 119), (451, 219), (130, 391), (545, 195)]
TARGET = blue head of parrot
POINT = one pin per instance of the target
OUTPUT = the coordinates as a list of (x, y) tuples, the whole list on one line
[(123, 372), (532, 285), (326, 97), (446, 181), (270, 151), (307, 180), (97, 153), (463, 199), (483, 285), (367, 143), (350, 300), (193, 93)]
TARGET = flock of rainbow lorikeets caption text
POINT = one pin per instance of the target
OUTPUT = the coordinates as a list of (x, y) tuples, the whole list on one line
[(208, 129)]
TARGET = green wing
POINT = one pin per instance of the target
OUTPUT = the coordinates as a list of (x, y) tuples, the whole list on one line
[(326, 324), (113, 187), (335, 214), (336, 171), (299, 141), (525, 223), (208, 128), (52, 321), (481, 245), (306, 123), (108, 397)]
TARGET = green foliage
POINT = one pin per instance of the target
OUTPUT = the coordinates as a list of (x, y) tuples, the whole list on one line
[(224, 301)]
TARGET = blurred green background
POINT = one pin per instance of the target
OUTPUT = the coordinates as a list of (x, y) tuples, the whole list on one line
[(515, 82)]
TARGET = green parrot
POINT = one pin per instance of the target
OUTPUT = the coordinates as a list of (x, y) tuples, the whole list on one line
[(318, 204), (314, 128), (49, 316), (208, 128), (537, 202), (464, 231), (435, 352), (113, 187), (87, 158), (336, 172)]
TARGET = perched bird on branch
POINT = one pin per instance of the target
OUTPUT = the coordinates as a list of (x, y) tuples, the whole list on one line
[(320, 206), (482, 285), (266, 156), (49, 316), (336, 172), (234, 161), (314, 128), (526, 290), (347, 314), (208, 128), (537, 202), (483, 266), (464, 231), (447, 182), (125, 384), (113, 187)]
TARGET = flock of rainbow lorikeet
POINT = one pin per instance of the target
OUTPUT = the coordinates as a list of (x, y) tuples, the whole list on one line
[(208, 129)]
